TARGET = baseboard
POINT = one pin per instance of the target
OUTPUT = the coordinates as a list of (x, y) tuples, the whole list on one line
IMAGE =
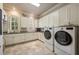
[(41, 40), (20, 43)]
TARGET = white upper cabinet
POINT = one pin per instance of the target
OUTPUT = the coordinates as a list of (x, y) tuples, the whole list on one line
[(78, 14), (13, 23), (32, 23), (36, 23), (24, 22), (49, 20), (63, 16), (73, 14), (27, 22), (53, 19), (1, 5), (68, 14), (43, 22)]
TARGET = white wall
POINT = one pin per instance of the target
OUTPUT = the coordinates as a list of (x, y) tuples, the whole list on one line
[(63, 16)]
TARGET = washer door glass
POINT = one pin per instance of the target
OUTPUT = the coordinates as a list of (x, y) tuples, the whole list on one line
[(47, 34), (63, 38)]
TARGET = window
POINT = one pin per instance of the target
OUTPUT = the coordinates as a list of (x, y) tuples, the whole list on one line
[(14, 23)]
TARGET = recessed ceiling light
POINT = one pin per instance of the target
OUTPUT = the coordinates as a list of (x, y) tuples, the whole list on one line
[(36, 4), (31, 16)]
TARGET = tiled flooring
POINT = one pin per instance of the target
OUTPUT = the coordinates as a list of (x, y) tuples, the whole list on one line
[(31, 48)]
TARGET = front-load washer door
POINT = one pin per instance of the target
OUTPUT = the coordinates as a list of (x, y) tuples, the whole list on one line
[(47, 35), (63, 38)]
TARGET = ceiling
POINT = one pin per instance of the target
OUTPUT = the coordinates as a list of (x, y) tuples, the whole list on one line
[(28, 9)]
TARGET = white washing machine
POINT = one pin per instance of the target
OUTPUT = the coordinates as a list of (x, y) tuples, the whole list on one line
[(48, 37), (66, 40)]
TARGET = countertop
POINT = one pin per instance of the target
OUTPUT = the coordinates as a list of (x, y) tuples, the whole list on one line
[(5, 33)]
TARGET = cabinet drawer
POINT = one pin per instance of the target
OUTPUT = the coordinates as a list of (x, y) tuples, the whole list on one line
[(1, 50)]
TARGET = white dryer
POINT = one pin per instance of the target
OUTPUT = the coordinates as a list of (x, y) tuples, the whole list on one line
[(66, 40), (48, 38)]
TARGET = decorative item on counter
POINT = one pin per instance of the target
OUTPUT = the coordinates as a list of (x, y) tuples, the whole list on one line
[(42, 29), (38, 29), (23, 29)]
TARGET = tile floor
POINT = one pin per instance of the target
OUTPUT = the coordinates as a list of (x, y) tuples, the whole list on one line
[(30, 48)]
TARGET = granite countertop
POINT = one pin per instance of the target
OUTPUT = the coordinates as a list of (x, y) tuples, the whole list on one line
[(4, 33), (24, 31)]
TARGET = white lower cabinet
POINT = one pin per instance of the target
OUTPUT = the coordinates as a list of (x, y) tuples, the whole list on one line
[(1, 45), (8, 39), (18, 38), (1, 50), (41, 36), (30, 36)]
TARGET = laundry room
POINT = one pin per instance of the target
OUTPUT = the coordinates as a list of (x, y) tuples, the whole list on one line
[(39, 28)]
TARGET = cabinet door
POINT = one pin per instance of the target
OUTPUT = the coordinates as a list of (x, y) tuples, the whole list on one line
[(13, 23), (55, 18), (1, 5), (9, 23), (1, 50), (46, 21), (35, 22), (41, 36), (9, 39), (25, 22), (40, 23), (43, 22), (18, 38), (73, 14), (19, 23), (50, 20), (1, 45), (30, 36), (78, 15), (63, 19)]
